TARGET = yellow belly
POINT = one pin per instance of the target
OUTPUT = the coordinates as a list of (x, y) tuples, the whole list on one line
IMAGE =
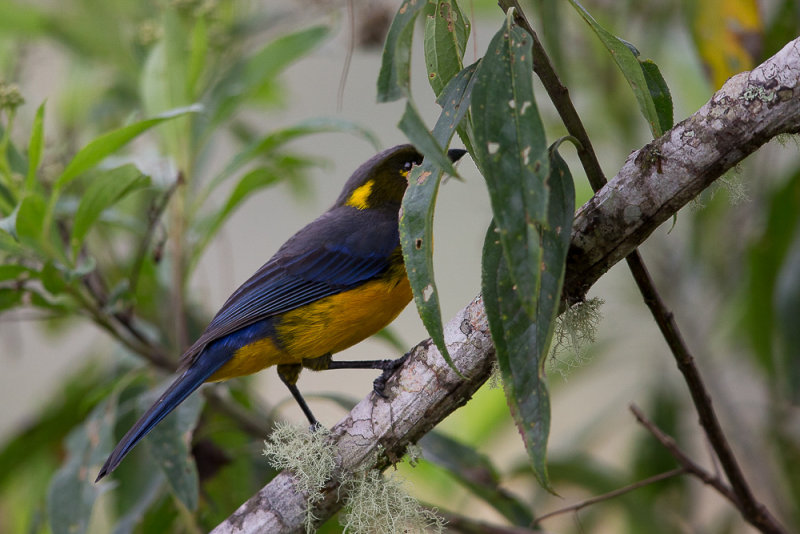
[(326, 326)]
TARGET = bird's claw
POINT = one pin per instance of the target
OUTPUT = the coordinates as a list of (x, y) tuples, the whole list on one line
[(379, 385)]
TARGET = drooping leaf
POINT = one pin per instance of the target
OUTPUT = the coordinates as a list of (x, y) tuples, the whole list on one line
[(105, 145), (628, 63), (106, 189), (416, 221), (72, 491), (512, 153), (476, 472), (412, 125), (446, 34), (395, 73), (522, 342), (659, 92), (169, 443)]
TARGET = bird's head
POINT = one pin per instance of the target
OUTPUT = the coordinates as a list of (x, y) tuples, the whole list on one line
[(381, 181)]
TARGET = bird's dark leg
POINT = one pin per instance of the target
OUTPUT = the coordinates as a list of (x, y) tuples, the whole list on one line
[(323, 363), (289, 374)]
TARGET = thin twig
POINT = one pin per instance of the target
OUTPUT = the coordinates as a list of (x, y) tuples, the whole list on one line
[(752, 510), (155, 213), (615, 493), (688, 464)]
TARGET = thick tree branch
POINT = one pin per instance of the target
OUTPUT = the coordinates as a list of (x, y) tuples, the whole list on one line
[(655, 182)]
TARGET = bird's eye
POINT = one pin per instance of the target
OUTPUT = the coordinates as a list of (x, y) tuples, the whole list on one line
[(407, 165)]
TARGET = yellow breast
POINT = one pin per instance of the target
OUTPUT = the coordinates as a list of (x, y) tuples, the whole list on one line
[(326, 326)]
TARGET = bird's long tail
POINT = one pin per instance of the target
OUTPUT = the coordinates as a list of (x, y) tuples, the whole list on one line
[(182, 387)]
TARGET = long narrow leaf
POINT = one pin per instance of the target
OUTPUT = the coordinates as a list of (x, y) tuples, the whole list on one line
[(105, 145), (266, 145), (35, 147), (395, 73), (416, 222), (511, 151), (630, 67), (446, 34)]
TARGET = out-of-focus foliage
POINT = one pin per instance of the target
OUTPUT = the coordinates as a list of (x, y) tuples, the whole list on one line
[(107, 215), (91, 227)]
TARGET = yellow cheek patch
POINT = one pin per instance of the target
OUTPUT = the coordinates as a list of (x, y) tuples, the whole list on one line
[(358, 199)]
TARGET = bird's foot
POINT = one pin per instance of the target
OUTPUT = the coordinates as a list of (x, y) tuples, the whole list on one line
[(390, 366)]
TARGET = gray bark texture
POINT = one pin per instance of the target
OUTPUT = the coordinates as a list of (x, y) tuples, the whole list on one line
[(653, 184)]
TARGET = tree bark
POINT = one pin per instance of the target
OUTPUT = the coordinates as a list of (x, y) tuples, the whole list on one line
[(653, 184)]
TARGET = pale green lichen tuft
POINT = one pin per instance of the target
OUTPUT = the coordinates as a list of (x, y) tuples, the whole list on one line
[(308, 455), (495, 380), (377, 503), (414, 454), (575, 330)]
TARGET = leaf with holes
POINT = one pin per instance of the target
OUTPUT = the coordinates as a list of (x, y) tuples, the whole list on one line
[(395, 74), (446, 34), (511, 151), (416, 221)]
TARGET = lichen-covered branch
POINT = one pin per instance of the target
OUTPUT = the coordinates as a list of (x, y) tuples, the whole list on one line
[(655, 182)]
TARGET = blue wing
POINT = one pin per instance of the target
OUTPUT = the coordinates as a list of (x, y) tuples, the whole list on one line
[(317, 262)]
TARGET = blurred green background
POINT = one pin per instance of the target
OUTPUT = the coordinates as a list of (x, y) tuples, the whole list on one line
[(727, 266)]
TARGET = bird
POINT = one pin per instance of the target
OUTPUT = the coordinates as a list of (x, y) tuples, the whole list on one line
[(337, 281)]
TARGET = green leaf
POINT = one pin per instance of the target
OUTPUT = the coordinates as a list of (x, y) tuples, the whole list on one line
[(105, 145), (198, 58), (659, 92), (35, 147), (52, 279), (169, 444), (11, 272), (476, 472), (267, 145), (30, 221), (416, 221), (9, 298), (766, 256), (72, 492), (412, 125), (522, 342), (105, 190), (511, 151), (246, 79), (395, 74), (21, 18), (630, 67), (446, 34)]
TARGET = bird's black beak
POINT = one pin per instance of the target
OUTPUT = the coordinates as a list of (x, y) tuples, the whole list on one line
[(455, 154)]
